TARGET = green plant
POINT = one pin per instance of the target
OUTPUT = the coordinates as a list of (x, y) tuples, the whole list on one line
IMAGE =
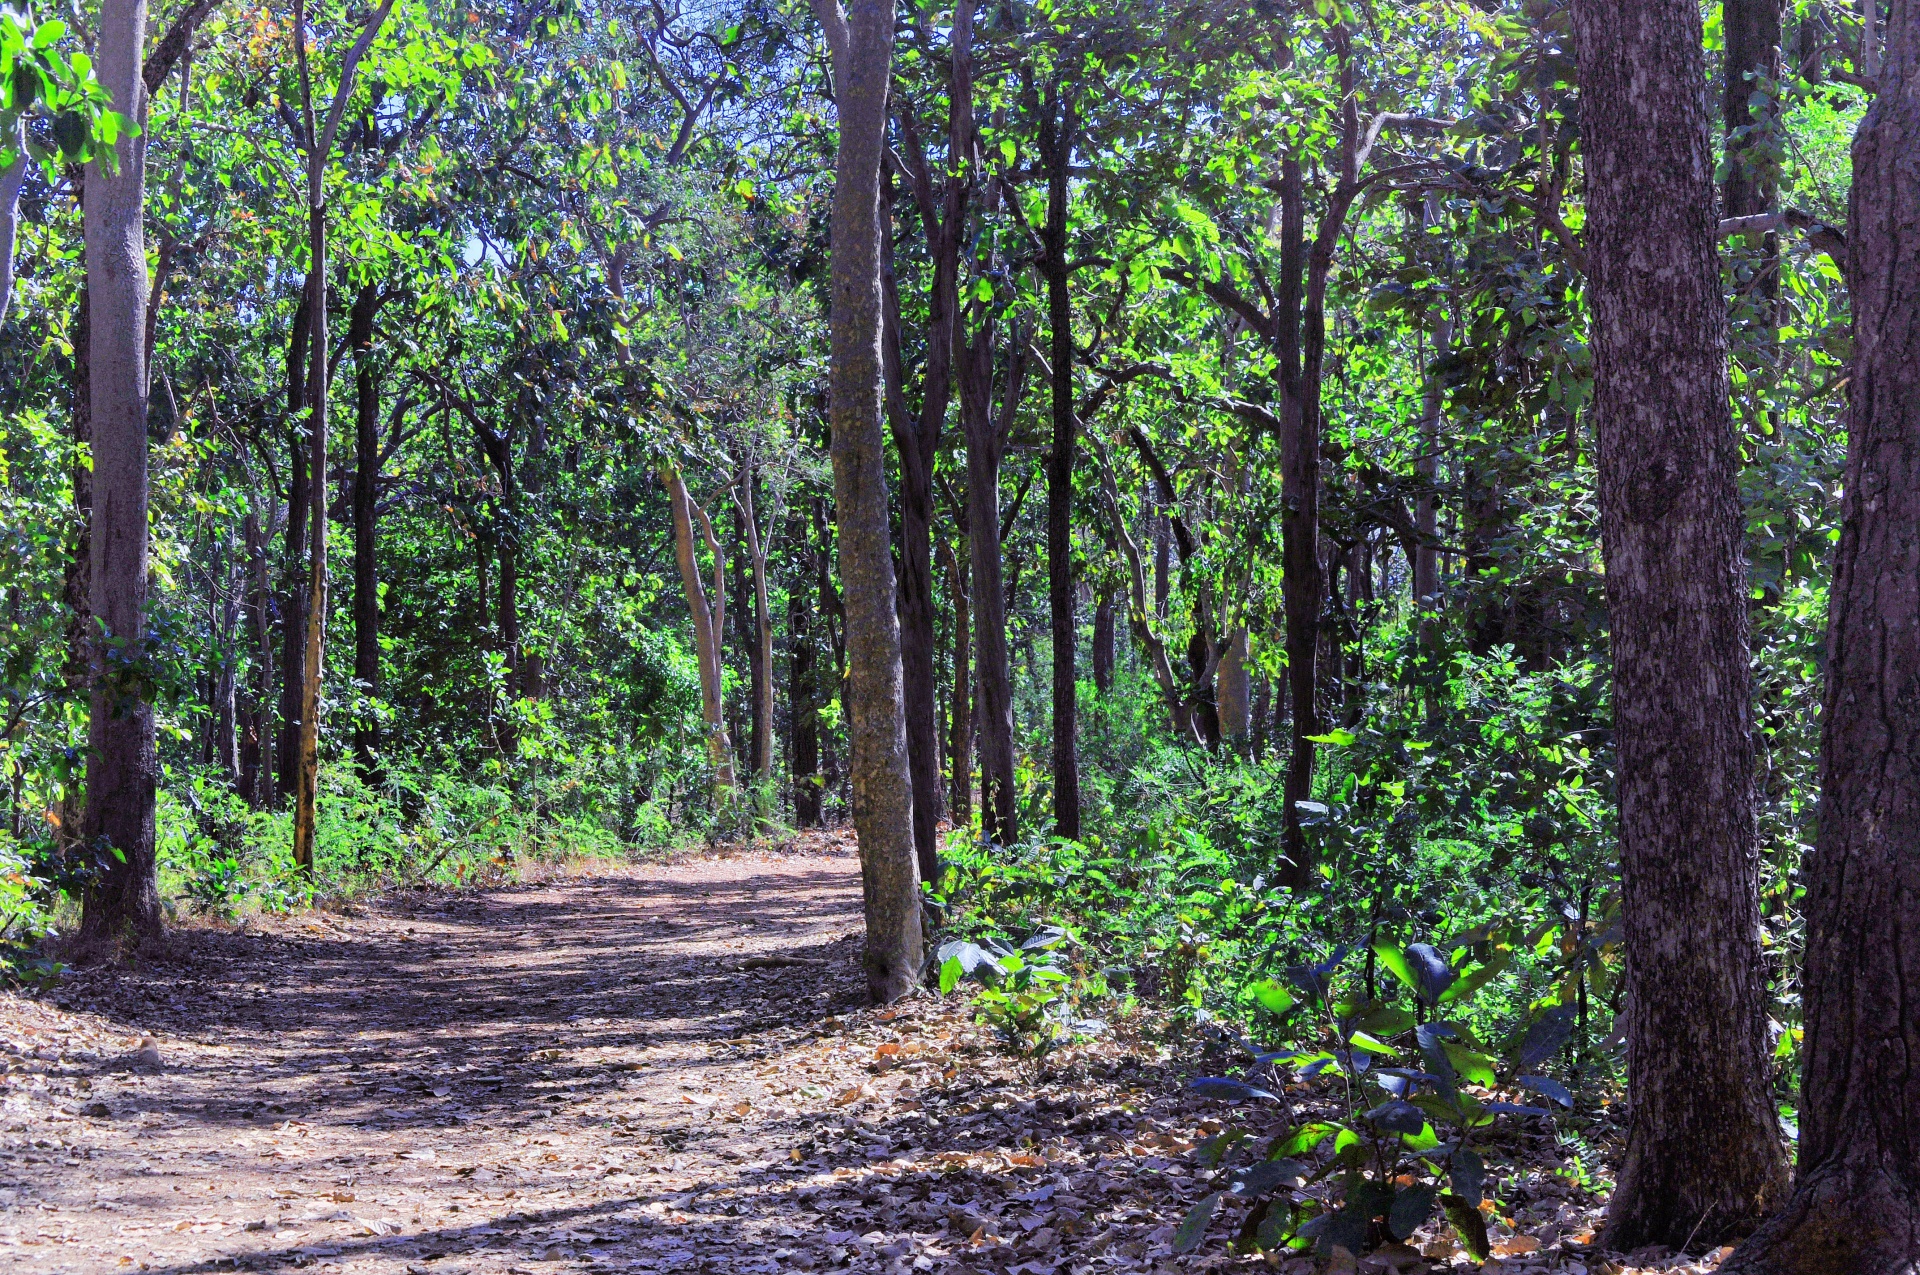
[(1024, 990), (1407, 1142)]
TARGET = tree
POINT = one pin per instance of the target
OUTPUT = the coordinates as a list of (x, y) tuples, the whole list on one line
[(1703, 1157), (1855, 1207), (122, 768), (1056, 151), (942, 199), (860, 41), (366, 480), (319, 156)]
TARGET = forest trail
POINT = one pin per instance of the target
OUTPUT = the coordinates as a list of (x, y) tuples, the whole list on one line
[(475, 1081), (632, 1069)]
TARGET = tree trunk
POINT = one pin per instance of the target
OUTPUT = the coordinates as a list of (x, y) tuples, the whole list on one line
[(1103, 643), (1299, 525), (1234, 693), (986, 444), (293, 591), (862, 50), (256, 772), (1855, 1209), (803, 706), (226, 705), (1703, 1157), (1056, 148), (761, 760), (709, 623), (122, 768), (1753, 48), (960, 731), (366, 585), (77, 589), (306, 790), (943, 209), (12, 179)]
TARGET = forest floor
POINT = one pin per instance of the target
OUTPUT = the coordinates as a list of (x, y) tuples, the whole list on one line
[(656, 1068)]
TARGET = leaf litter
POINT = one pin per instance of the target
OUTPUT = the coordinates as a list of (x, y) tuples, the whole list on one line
[(660, 1068)]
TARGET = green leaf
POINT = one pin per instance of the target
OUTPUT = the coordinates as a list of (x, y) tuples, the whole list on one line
[(1470, 1064), (950, 974), (1468, 1225), (1193, 1227), (1305, 1138), (1412, 1206), (1362, 1041), (1389, 955), (1273, 997), (1466, 987), (1337, 737)]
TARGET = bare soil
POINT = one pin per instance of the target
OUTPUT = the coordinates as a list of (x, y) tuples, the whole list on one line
[(662, 1068)]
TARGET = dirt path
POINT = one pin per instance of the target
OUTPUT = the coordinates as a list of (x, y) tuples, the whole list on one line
[(481, 1081), (639, 1069)]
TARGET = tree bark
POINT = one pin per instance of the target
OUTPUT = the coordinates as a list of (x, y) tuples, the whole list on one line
[(256, 772), (1234, 693), (366, 584), (943, 212), (960, 731), (986, 445), (122, 768), (1703, 1157), (293, 593), (709, 623), (760, 761), (803, 706), (1103, 649), (861, 41), (1855, 1209), (1056, 148)]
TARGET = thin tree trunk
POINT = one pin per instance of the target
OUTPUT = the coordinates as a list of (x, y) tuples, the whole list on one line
[(960, 736), (986, 444), (943, 209), (1703, 1158), (803, 705), (293, 594), (709, 623), (256, 772), (862, 50), (225, 698), (366, 585), (1056, 147), (761, 761), (1234, 693), (12, 179), (306, 792), (122, 769), (1855, 1209), (1103, 650)]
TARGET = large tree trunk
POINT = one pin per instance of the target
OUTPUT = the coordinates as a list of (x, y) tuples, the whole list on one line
[(1855, 1209), (1056, 146), (986, 443), (862, 50), (293, 589), (1703, 1157), (122, 768), (12, 179), (709, 623), (366, 584)]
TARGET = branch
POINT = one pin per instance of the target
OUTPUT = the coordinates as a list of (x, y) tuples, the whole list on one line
[(173, 45), (1820, 236), (341, 95), (1390, 119)]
